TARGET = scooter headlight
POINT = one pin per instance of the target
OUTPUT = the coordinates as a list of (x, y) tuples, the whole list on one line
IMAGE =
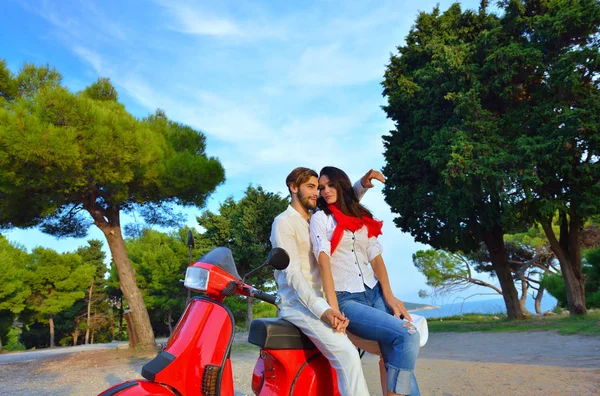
[(196, 278)]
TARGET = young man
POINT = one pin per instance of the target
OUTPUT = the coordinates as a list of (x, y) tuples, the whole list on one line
[(300, 289)]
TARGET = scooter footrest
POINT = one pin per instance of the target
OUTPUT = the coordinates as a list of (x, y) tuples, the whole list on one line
[(277, 333)]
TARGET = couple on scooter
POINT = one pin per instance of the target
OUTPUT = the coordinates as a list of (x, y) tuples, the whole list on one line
[(335, 251)]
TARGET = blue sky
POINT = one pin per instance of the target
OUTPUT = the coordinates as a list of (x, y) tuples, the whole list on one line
[(272, 84)]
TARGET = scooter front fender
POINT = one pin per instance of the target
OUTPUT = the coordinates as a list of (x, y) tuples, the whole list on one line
[(196, 356)]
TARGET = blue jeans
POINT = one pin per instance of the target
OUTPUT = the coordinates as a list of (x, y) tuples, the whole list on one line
[(371, 319)]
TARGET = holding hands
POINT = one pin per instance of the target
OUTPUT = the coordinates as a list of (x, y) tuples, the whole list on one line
[(337, 320)]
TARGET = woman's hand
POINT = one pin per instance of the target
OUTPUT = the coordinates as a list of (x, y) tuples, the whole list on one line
[(336, 319), (397, 307), (367, 179)]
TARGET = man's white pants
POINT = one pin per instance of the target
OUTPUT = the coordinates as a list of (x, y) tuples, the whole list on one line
[(336, 347)]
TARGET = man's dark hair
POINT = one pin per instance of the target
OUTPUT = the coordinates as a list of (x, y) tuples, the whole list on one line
[(298, 176)]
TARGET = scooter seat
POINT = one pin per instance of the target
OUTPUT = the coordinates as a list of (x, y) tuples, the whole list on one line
[(277, 333)]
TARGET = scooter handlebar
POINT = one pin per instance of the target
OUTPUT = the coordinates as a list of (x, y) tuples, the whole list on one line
[(264, 296)]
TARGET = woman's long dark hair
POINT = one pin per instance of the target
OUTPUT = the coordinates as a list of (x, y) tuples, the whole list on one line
[(346, 199)]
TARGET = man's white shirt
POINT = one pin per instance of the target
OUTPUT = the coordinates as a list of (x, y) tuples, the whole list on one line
[(300, 283)]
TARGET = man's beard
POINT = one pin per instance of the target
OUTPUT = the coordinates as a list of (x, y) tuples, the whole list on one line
[(306, 202)]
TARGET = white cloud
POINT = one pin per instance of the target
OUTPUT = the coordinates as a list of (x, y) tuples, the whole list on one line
[(90, 57), (193, 21), (331, 65)]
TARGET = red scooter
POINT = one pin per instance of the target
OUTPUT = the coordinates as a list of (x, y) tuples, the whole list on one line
[(197, 361)]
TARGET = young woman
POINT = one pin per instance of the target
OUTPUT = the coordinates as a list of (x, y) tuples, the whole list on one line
[(355, 280)]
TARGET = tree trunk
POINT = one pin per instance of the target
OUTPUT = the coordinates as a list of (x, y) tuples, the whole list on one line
[(139, 313), (121, 319), (89, 309), (76, 332), (538, 300), (499, 258), (93, 326), (110, 224), (0, 344), (170, 322), (568, 252), (51, 323), (249, 303), (523, 298)]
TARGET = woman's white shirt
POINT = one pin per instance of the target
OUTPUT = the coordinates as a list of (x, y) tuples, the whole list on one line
[(350, 263)]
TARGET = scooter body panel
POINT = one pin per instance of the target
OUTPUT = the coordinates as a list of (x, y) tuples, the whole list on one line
[(195, 359), (294, 372)]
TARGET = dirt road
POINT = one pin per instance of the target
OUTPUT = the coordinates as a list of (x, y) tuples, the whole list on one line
[(534, 363)]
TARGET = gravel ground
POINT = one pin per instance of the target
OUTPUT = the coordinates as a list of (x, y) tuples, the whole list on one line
[(533, 363)]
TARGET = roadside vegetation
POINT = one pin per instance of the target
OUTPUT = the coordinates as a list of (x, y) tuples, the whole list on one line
[(588, 325)]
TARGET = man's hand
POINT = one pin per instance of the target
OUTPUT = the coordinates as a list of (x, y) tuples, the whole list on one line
[(337, 320), (367, 179), (397, 308)]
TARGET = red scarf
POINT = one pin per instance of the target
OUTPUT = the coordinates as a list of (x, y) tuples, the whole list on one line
[(353, 224)]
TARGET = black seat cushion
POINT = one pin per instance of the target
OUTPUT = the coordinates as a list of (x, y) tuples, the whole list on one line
[(277, 333)]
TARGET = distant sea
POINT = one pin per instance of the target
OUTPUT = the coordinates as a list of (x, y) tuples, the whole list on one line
[(491, 306)]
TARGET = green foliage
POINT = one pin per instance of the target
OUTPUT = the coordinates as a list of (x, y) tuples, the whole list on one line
[(93, 254), (238, 306), (56, 280), (8, 84), (555, 284), (101, 90), (440, 268), (69, 160), (470, 94), (13, 290), (13, 343), (499, 323), (591, 269), (447, 159), (534, 237), (496, 126), (61, 153), (264, 310), (245, 228), (100, 313)]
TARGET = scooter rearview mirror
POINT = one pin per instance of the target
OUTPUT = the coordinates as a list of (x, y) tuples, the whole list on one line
[(278, 258)]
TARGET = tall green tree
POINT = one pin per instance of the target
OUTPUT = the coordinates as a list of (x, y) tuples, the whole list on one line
[(554, 118), (13, 289), (245, 228), (447, 187), (68, 160), (56, 281), (496, 127)]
